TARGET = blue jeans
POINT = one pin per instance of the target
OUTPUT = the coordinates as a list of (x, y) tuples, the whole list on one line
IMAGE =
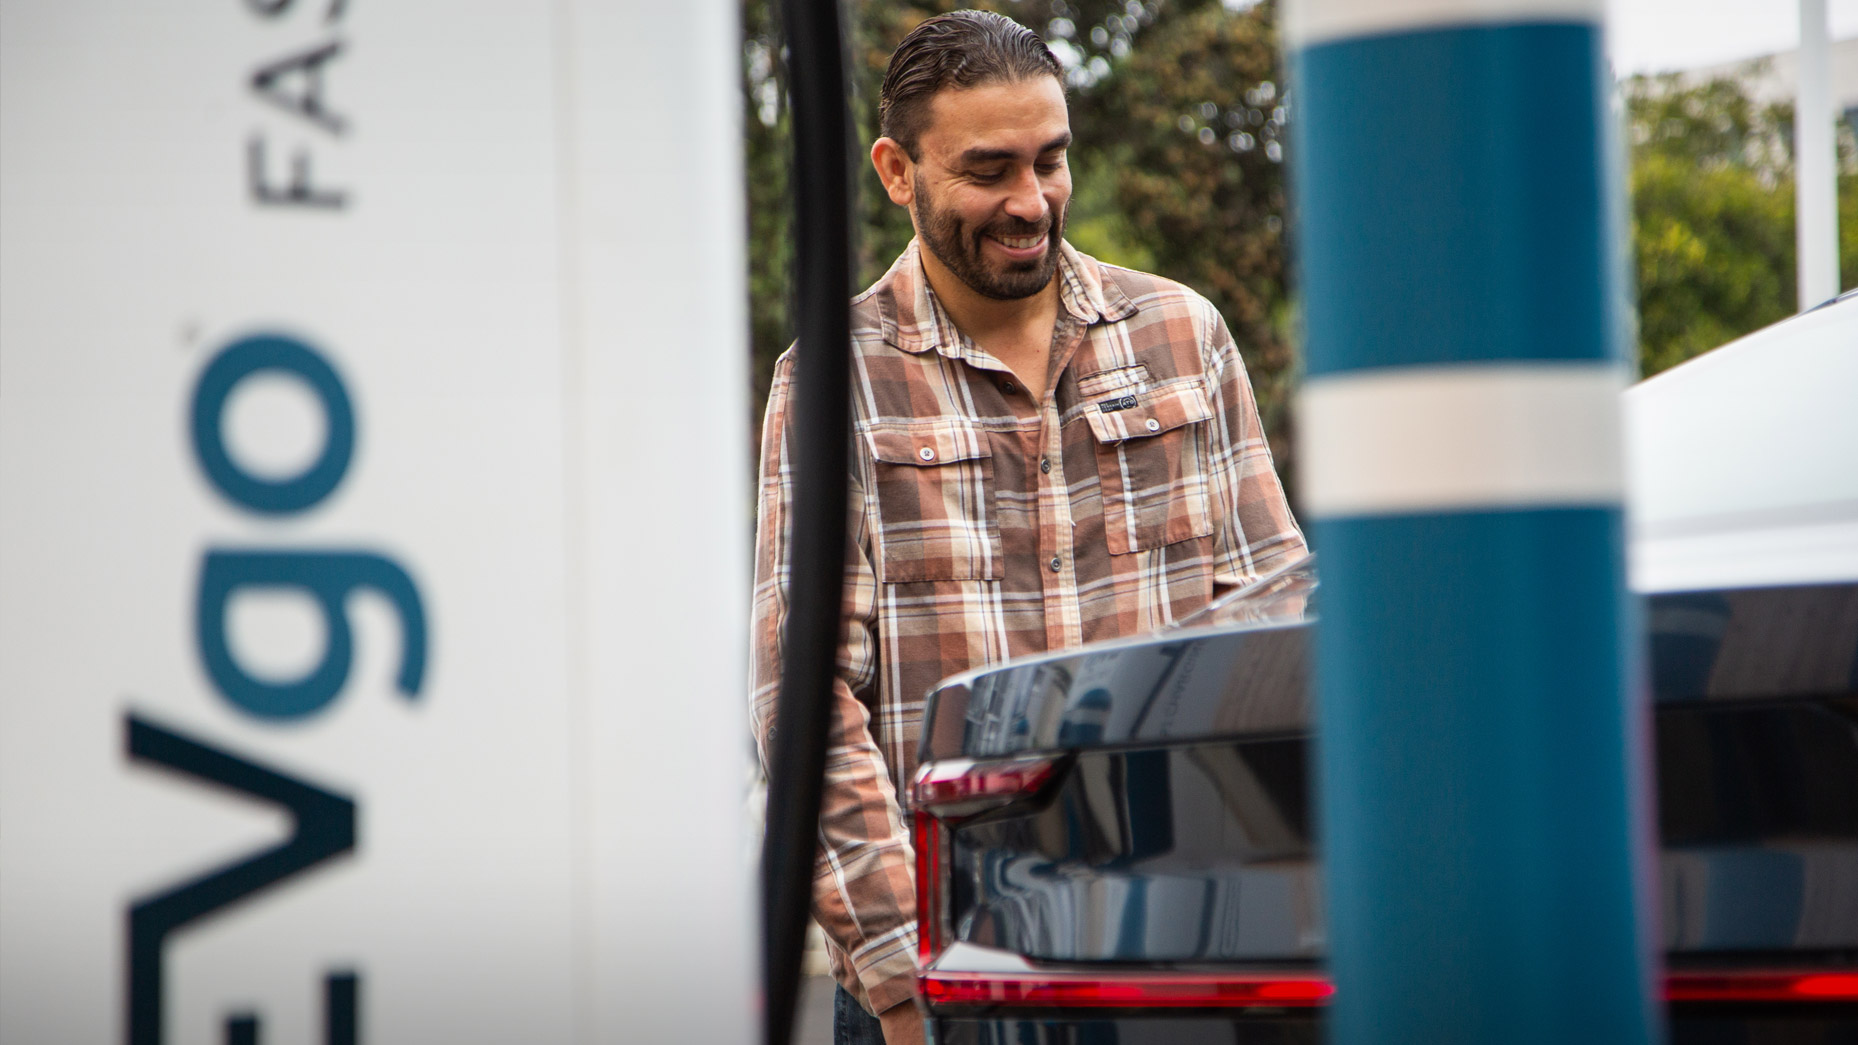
[(851, 1025)]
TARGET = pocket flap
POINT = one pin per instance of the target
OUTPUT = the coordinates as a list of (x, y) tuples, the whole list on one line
[(1104, 382), (1138, 415), (927, 445)]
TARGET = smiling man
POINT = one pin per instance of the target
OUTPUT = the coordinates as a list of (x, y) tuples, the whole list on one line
[(1050, 451)]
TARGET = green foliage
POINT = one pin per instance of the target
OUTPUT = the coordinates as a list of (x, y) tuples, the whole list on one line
[(1713, 214), (767, 139), (1715, 257), (1848, 219), (1191, 128)]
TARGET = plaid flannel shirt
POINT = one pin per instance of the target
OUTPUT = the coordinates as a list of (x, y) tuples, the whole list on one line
[(984, 524)]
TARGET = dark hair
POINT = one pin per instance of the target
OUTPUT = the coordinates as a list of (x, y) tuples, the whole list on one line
[(960, 49)]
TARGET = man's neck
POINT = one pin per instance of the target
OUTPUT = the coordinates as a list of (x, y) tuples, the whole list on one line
[(1018, 332)]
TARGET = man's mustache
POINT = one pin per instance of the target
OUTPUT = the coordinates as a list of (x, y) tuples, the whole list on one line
[(1018, 227)]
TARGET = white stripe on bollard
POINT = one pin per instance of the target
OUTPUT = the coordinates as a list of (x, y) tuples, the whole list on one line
[(1443, 438), (1319, 21)]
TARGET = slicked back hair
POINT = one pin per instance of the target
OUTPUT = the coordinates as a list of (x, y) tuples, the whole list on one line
[(961, 49)]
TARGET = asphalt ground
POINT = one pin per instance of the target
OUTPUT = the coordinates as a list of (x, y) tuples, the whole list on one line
[(814, 1026)]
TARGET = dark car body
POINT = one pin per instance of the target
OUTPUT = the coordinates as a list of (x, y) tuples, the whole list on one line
[(1115, 843)]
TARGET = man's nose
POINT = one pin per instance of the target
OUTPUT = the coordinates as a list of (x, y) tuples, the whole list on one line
[(1026, 197)]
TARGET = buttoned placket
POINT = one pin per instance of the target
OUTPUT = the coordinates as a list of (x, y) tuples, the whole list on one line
[(1064, 618), (1063, 611)]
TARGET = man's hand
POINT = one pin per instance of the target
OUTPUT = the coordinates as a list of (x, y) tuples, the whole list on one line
[(903, 1025)]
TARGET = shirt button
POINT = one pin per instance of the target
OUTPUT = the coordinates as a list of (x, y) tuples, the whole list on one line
[(1154, 425), (1055, 564), (1045, 465), (927, 453), (1008, 387)]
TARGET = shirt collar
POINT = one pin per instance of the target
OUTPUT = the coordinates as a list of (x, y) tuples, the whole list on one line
[(914, 320)]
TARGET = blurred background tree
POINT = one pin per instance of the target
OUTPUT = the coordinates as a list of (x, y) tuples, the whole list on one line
[(1713, 213)]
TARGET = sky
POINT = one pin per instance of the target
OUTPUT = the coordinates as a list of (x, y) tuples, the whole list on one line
[(1656, 35)]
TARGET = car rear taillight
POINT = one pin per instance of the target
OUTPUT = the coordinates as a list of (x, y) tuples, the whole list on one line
[(1766, 986), (1127, 990), (946, 793), (1133, 989), (963, 787), (926, 836)]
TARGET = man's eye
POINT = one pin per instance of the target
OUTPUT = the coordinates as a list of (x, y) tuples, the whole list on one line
[(986, 177), (1050, 168)]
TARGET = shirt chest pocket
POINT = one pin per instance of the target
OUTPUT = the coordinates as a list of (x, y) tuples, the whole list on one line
[(935, 502), (1151, 461)]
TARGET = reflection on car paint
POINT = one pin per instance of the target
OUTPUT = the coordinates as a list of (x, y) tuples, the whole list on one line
[(1177, 833)]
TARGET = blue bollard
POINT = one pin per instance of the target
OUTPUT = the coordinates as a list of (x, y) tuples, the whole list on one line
[(1483, 746)]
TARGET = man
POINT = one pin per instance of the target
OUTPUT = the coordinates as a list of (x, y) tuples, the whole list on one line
[(1048, 451)]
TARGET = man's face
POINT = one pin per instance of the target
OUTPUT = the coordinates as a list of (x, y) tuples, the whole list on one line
[(992, 184)]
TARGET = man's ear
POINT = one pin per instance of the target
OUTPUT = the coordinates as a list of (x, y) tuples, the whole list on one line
[(894, 169)]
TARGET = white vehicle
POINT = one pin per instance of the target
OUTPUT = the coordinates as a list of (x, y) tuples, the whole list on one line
[(1743, 462)]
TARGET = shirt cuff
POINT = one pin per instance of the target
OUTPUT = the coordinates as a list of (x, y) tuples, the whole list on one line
[(887, 969)]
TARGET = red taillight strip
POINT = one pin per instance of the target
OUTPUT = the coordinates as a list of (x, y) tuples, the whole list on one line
[(942, 783), (1761, 986), (1306, 990), (926, 837), (1126, 991), (950, 791)]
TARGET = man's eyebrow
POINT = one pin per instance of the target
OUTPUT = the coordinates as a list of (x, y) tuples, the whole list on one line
[(980, 155)]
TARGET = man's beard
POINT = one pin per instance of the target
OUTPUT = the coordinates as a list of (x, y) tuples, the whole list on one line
[(941, 232)]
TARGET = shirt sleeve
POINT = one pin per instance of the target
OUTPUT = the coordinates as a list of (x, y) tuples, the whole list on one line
[(1254, 532), (864, 896)]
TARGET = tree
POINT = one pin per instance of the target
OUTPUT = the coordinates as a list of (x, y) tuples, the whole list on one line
[(1190, 128), (767, 141), (1713, 214)]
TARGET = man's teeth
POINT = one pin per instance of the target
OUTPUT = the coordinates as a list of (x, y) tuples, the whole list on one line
[(1021, 242)]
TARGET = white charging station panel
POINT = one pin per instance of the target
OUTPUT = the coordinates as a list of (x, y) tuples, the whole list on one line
[(374, 510)]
